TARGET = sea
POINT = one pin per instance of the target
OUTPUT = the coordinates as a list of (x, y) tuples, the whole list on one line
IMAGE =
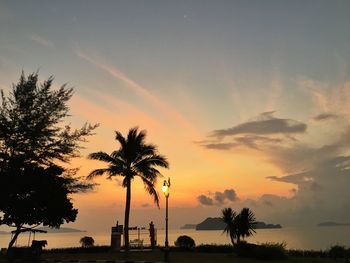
[(311, 238)]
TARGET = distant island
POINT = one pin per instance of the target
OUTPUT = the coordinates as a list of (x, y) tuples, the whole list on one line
[(188, 226), (330, 223), (60, 230), (216, 223)]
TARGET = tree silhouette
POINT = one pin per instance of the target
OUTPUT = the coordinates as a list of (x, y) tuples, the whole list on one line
[(229, 217), (34, 146), (238, 225), (87, 241), (134, 158), (246, 223)]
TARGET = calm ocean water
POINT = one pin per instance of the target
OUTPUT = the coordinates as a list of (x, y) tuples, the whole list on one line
[(295, 237)]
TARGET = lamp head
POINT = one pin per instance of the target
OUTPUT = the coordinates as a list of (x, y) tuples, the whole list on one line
[(165, 188)]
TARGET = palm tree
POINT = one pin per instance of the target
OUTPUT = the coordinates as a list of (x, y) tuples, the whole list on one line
[(133, 158), (238, 225), (246, 223), (229, 217)]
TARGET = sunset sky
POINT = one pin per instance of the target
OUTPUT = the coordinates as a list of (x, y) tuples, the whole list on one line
[(249, 100)]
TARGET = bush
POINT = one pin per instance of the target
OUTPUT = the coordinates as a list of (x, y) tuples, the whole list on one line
[(308, 253), (87, 241), (337, 251), (185, 242), (263, 251)]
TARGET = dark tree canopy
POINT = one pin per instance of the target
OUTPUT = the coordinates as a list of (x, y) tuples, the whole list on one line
[(31, 124), (37, 195), (35, 145)]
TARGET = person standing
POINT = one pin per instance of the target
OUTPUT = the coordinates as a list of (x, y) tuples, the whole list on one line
[(152, 235)]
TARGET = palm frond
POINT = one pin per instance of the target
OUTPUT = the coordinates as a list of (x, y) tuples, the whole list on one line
[(101, 156), (115, 170), (148, 149), (137, 137), (145, 150), (148, 172), (146, 166), (149, 187), (97, 172), (247, 222), (120, 138), (153, 160), (228, 216)]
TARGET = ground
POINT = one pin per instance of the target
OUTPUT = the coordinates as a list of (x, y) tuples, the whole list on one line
[(176, 257)]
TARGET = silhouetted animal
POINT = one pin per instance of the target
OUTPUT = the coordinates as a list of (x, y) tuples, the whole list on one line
[(39, 244)]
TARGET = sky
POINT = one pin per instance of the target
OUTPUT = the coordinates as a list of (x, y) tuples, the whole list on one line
[(249, 100)]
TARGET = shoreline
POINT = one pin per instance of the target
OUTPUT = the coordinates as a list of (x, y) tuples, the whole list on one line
[(314, 238)]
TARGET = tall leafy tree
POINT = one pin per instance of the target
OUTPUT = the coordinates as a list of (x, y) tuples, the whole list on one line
[(134, 158), (35, 145)]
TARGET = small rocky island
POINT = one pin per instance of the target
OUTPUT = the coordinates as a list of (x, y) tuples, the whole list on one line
[(188, 226), (216, 223), (60, 230), (331, 223)]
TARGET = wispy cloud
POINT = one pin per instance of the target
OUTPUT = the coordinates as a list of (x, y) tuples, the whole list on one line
[(326, 116), (141, 91), (266, 124), (327, 97), (175, 121), (42, 41), (218, 145), (275, 89), (263, 131)]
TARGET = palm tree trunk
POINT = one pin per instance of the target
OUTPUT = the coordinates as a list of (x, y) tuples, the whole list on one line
[(232, 240), (127, 213)]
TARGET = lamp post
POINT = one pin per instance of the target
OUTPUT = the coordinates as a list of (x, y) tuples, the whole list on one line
[(165, 190)]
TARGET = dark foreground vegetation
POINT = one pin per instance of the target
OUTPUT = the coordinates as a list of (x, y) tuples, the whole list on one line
[(244, 253)]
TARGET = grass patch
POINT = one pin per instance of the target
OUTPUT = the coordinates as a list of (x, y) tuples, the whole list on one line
[(214, 249), (266, 251), (80, 250)]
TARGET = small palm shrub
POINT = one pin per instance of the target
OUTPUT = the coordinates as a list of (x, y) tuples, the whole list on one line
[(185, 242)]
